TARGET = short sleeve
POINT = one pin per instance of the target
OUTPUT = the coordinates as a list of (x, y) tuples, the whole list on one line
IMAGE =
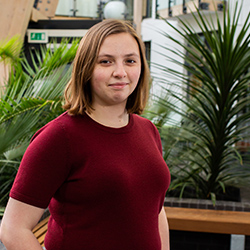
[(44, 167)]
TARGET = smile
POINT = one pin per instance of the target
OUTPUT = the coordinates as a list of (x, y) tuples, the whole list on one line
[(118, 85)]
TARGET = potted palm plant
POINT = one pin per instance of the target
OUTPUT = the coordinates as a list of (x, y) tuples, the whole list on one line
[(214, 97), (29, 99)]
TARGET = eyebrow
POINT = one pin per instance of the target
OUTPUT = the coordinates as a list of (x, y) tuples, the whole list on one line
[(127, 55)]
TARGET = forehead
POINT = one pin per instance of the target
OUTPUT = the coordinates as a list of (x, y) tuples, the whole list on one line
[(117, 43)]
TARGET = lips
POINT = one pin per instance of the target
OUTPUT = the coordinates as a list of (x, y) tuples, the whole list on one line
[(118, 85)]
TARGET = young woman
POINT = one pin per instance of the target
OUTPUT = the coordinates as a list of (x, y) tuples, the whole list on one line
[(98, 166)]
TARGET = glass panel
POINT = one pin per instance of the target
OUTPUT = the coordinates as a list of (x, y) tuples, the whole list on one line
[(88, 8), (162, 4), (178, 2), (81, 8), (130, 5)]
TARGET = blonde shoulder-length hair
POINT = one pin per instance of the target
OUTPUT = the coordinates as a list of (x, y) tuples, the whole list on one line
[(78, 94)]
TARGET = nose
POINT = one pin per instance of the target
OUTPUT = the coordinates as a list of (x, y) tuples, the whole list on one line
[(119, 71)]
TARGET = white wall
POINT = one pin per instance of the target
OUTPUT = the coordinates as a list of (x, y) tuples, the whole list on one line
[(151, 31), (244, 12)]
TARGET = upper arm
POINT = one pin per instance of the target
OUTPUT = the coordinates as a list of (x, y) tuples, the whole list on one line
[(44, 167), (20, 215)]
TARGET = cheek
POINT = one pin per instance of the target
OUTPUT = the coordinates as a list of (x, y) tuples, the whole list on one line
[(136, 75), (98, 77)]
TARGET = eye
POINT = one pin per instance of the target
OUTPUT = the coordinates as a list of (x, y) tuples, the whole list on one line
[(105, 62), (131, 61)]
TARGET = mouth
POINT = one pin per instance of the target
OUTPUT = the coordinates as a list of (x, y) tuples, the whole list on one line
[(118, 85)]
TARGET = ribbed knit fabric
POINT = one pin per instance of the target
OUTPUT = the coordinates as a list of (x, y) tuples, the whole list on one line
[(104, 186)]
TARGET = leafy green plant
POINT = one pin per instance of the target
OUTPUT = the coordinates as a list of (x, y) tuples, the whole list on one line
[(9, 52), (1, 211), (160, 112), (214, 97), (30, 98)]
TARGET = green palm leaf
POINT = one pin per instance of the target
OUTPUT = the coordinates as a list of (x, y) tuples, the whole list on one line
[(31, 98), (205, 158)]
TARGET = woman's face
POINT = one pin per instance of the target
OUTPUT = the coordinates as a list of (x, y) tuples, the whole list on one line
[(117, 70)]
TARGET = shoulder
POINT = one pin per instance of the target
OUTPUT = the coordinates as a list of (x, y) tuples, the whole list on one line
[(148, 128), (54, 128), (142, 121)]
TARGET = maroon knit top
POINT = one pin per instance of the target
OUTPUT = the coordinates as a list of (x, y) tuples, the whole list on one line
[(104, 186)]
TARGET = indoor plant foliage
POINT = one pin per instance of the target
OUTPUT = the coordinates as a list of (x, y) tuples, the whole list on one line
[(31, 97), (214, 103)]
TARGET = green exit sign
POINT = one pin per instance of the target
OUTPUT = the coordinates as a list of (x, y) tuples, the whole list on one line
[(37, 36)]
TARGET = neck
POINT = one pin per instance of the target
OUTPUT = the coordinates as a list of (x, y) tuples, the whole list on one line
[(110, 116)]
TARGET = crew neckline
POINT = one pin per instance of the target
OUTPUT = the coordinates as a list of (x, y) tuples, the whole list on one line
[(123, 129)]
